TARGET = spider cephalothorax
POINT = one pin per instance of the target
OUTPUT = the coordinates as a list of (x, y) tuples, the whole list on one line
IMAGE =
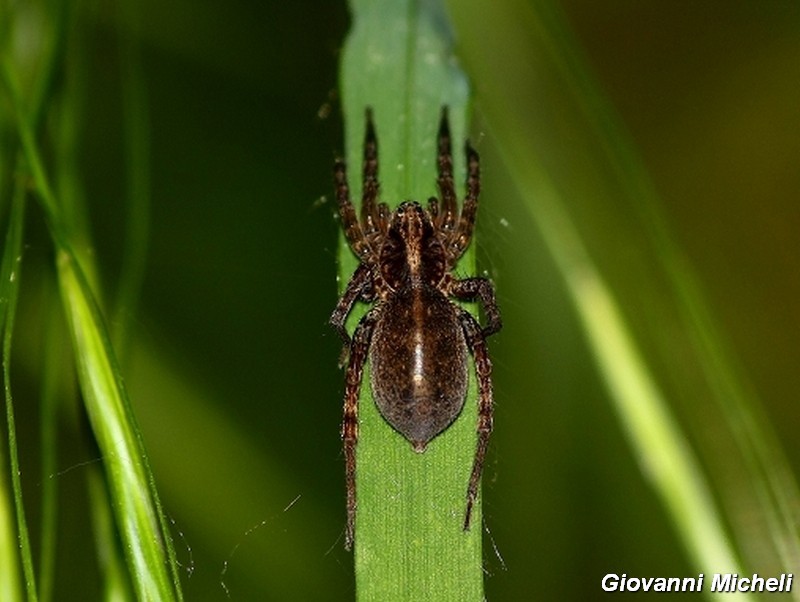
[(416, 339)]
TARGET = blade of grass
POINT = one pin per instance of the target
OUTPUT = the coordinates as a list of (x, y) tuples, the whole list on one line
[(71, 111), (409, 539), (662, 450), (138, 514), (116, 583), (117, 435), (52, 37), (137, 163), (770, 473), (9, 561), (9, 291)]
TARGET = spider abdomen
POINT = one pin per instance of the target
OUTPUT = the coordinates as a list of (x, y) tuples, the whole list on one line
[(418, 363)]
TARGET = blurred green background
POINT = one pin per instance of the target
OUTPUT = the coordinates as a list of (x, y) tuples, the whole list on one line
[(232, 371)]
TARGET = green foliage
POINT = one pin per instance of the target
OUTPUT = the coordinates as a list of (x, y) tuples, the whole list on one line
[(637, 216), (132, 490)]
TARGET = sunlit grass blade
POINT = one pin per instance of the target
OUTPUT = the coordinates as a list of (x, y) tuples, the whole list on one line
[(410, 544), (116, 581), (134, 499), (118, 439), (9, 292), (662, 450), (9, 560), (775, 487), (71, 108)]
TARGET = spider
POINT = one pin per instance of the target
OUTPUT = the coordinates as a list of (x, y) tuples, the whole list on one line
[(416, 339)]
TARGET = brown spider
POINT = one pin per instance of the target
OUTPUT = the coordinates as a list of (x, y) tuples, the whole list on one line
[(416, 338)]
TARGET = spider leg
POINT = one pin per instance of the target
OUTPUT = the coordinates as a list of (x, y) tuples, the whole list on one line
[(359, 347), (483, 368), (463, 234), (384, 217), (447, 218), (360, 287), (352, 230), (369, 211), (469, 289), (433, 208)]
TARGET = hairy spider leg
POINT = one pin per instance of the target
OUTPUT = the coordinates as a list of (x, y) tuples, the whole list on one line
[(359, 346), (461, 237), (483, 369), (369, 211), (433, 209), (352, 230), (468, 289), (384, 217), (445, 220), (359, 288)]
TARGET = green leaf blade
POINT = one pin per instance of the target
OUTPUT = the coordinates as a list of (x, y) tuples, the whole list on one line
[(410, 542), (117, 436)]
